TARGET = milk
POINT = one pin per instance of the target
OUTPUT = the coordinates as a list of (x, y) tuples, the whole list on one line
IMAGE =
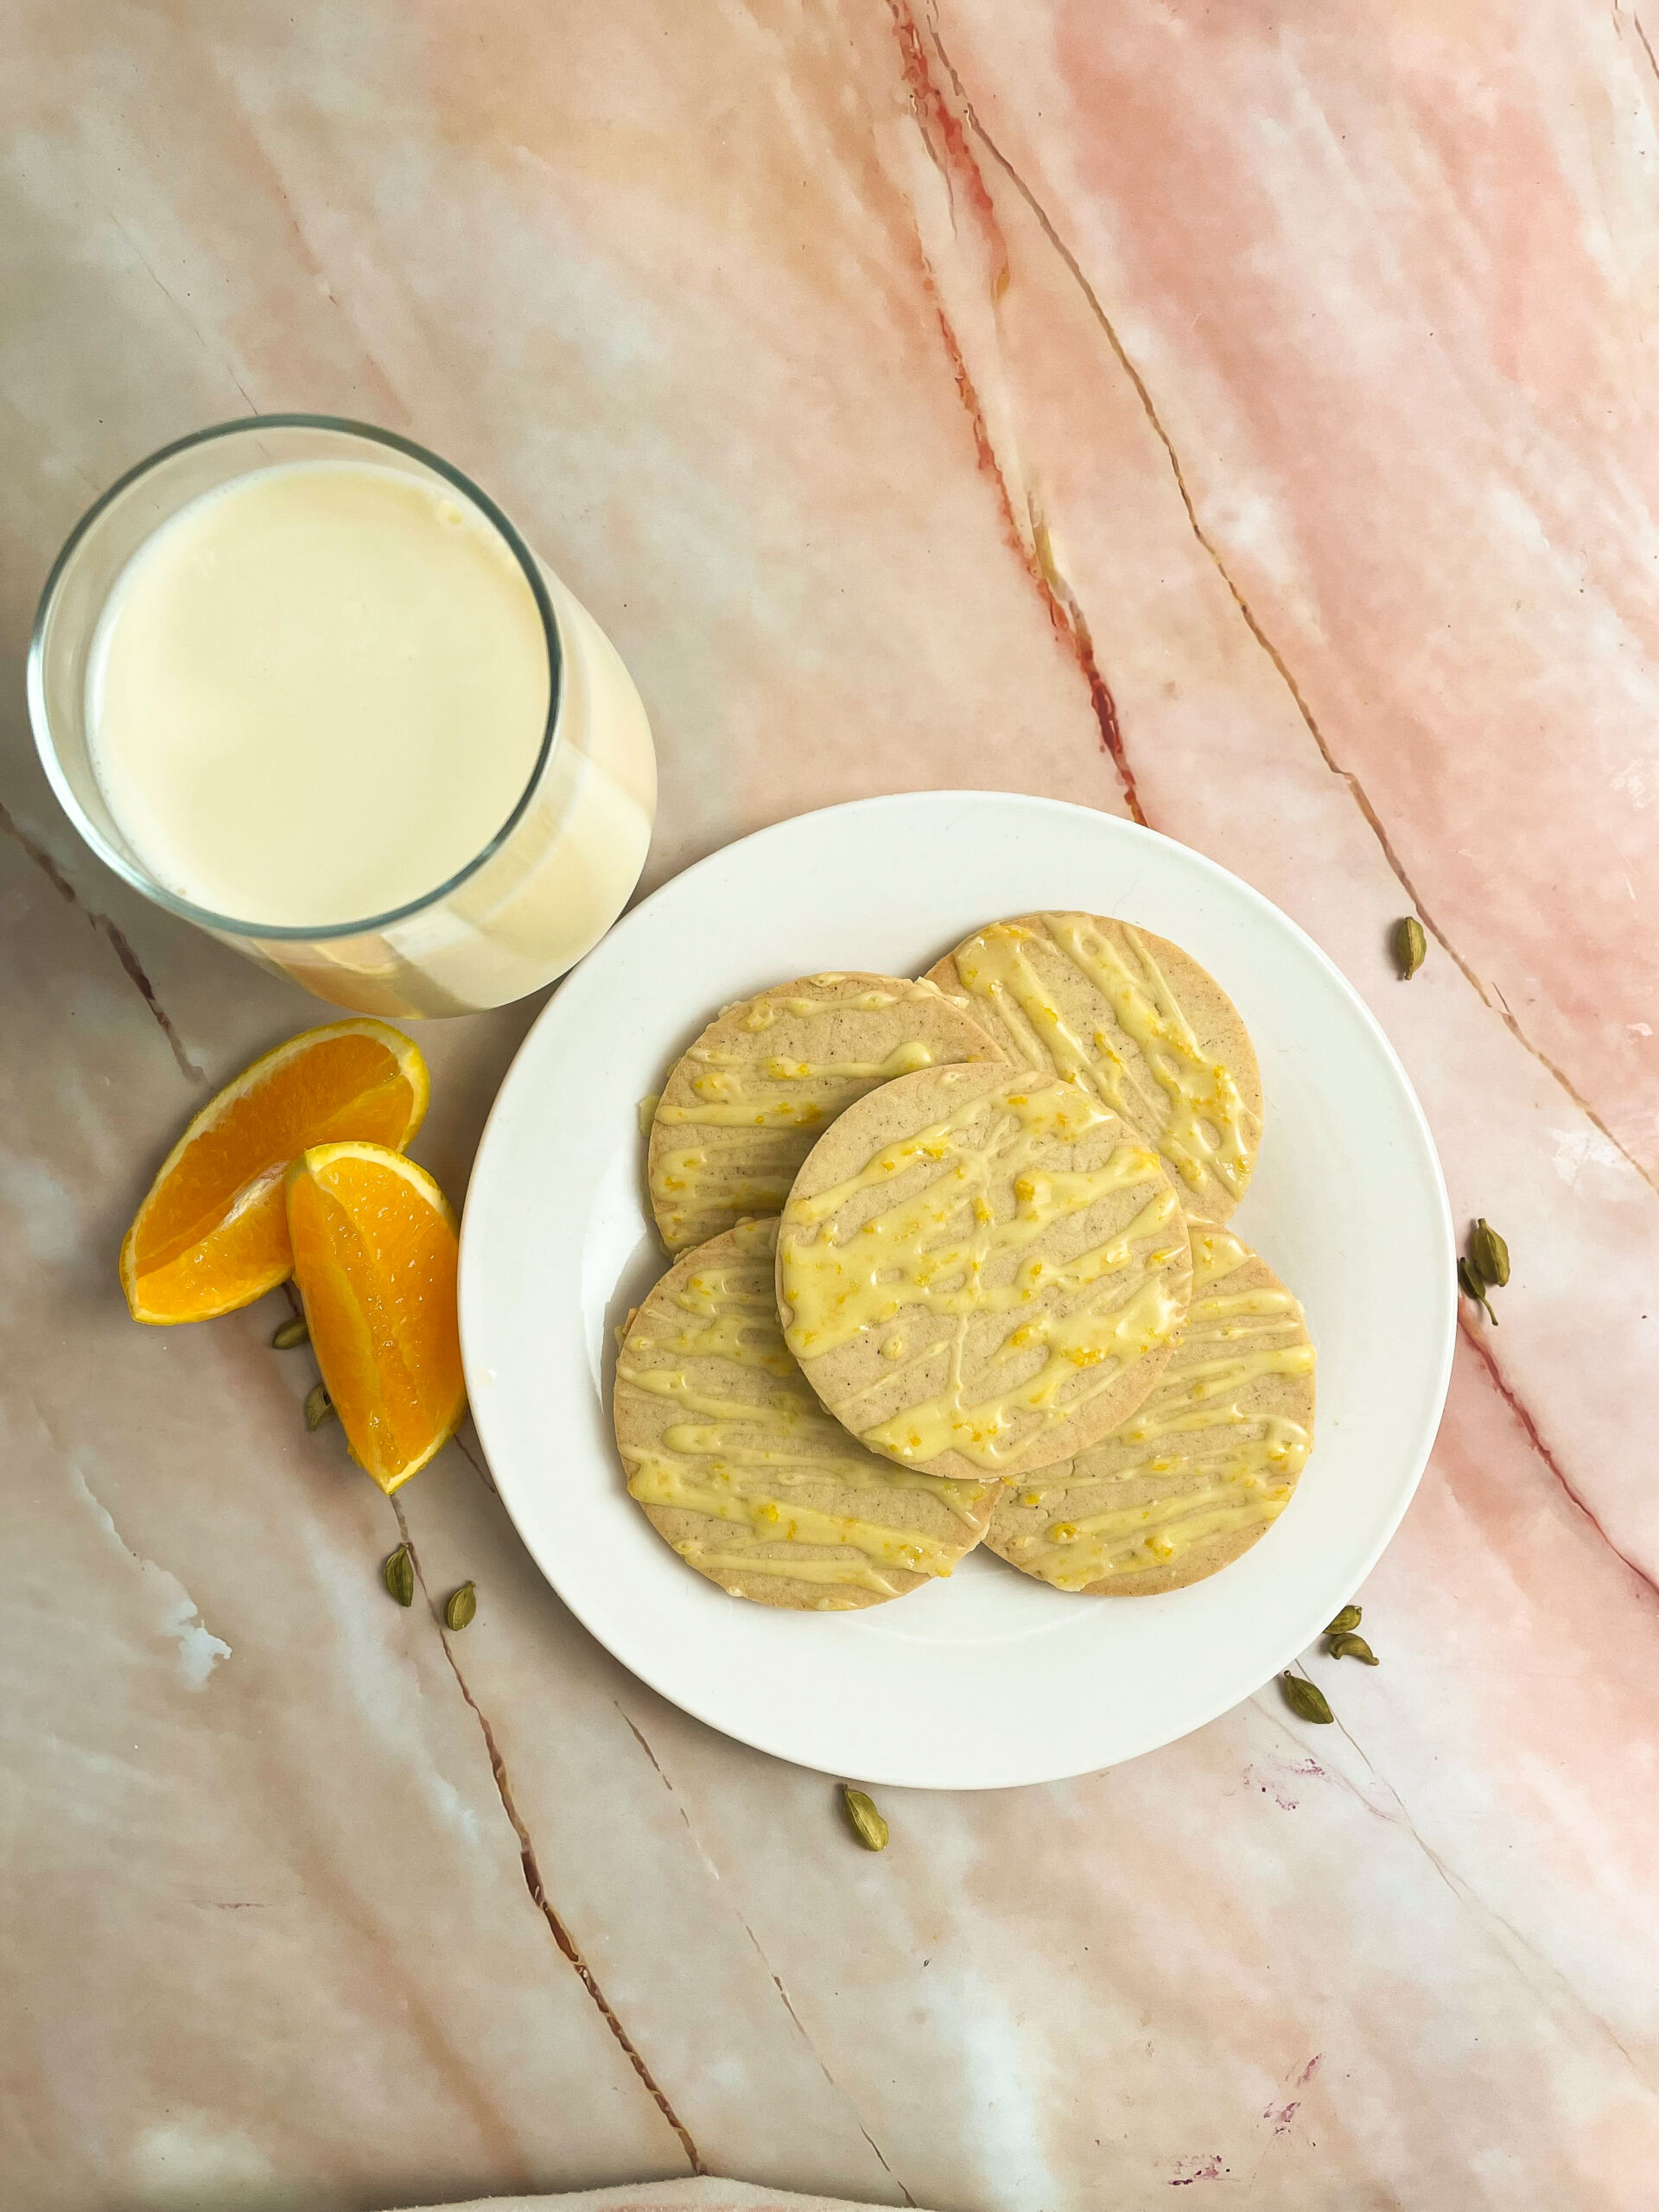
[(318, 693)]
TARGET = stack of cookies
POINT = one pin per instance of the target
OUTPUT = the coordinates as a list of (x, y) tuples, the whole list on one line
[(953, 1269)]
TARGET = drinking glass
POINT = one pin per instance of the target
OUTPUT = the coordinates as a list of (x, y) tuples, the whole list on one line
[(543, 891)]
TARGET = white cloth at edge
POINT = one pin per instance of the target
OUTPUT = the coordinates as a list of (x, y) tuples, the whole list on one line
[(704, 2193)]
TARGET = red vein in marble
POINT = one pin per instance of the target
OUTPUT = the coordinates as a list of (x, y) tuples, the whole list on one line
[(957, 164), (1472, 1331), (932, 109), (1247, 613), (1111, 734), (538, 1888), (111, 935)]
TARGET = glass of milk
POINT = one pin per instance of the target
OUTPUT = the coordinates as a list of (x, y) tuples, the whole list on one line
[(300, 682)]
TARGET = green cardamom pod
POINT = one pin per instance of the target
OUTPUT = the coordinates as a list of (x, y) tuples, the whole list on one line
[(1471, 1287), (1488, 1255), (292, 1332), (1410, 946), (319, 1406), (1306, 1699), (867, 1824), (459, 1606), (1353, 1647), (398, 1574), (1349, 1617)]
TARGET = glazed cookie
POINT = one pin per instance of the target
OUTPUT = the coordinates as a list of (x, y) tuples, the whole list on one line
[(740, 1468), (743, 1107), (1139, 1022), (982, 1271), (1198, 1472)]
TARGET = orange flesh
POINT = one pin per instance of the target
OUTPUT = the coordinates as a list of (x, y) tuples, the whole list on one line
[(375, 1258), (212, 1234)]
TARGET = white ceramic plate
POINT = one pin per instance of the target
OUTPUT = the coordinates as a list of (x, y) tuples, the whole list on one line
[(989, 1678)]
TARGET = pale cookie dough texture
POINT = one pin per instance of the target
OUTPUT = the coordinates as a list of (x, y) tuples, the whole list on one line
[(982, 1270), (744, 1106), (739, 1467), (1138, 1022), (1202, 1469)]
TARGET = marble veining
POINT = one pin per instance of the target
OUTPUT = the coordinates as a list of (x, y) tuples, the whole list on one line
[(1240, 418)]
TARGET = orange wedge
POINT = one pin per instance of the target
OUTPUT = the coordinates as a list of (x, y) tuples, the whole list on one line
[(212, 1234), (375, 1250)]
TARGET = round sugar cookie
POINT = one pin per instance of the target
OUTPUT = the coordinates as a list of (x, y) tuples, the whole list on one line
[(981, 1269), (1203, 1467), (743, 1107), (739, 1467), (1139, 1022)]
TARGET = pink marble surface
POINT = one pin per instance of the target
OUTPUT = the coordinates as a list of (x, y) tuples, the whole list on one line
[(1243, 417)]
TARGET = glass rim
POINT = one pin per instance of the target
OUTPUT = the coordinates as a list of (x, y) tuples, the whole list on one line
[(230, 924)]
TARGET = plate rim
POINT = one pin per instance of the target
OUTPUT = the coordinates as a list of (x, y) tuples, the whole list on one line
[(636, 921)]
